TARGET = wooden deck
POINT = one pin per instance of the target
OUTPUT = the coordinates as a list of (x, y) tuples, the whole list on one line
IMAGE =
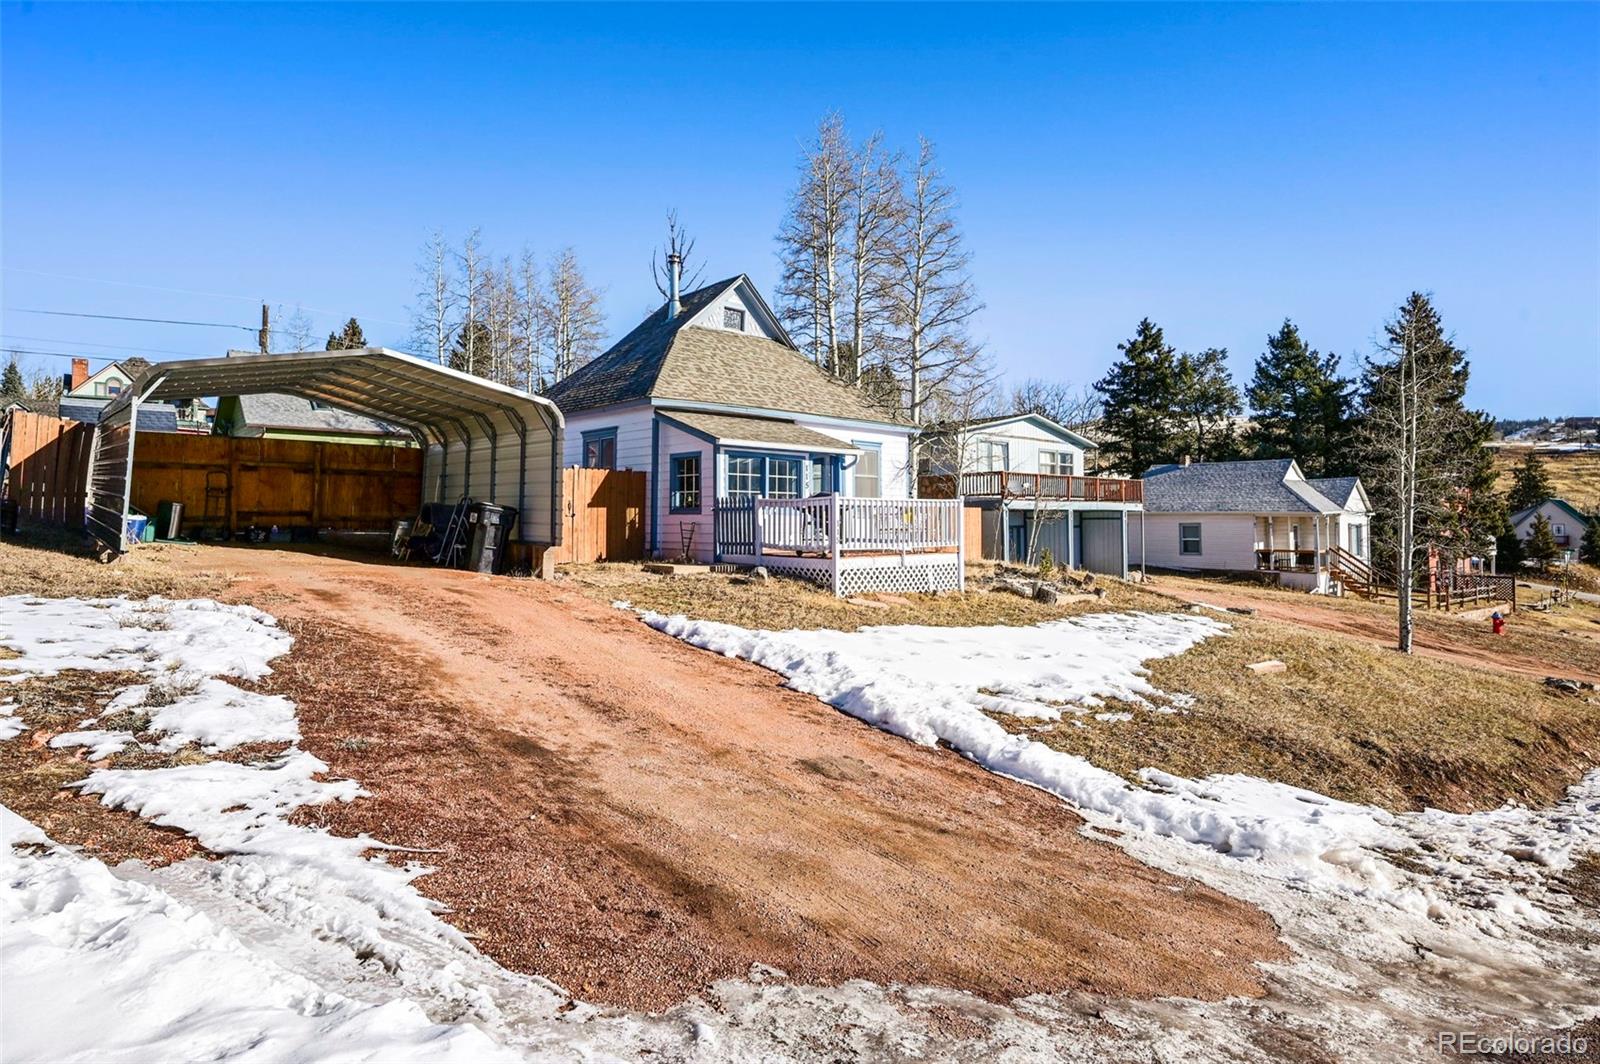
[(1047, 486)]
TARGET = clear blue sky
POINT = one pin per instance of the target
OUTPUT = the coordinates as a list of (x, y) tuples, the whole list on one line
[(1213, 167)]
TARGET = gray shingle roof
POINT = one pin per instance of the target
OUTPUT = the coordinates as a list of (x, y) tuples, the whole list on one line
[(756, 430), (273, 410), (1261, 487), (1338, 489), (153, 417), (664, 359)]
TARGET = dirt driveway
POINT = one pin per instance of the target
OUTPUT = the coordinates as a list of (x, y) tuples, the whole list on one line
[(634, 818)]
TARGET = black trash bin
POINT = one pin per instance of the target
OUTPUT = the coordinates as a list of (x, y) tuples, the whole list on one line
[(10, 512), (491, 527)]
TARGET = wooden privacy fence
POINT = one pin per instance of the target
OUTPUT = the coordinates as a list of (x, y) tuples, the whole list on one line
[(603, 516), (49, 461), (226, 483)]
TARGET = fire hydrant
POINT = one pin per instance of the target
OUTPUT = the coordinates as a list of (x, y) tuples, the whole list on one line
[(1498, 622)]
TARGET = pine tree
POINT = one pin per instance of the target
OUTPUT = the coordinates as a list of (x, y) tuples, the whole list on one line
[(1205, 402), (1301, 407), (1541, 546), (12, 385), (1589, 549), (347, 339), (1139, 393), (1530, 484), (471, 342)]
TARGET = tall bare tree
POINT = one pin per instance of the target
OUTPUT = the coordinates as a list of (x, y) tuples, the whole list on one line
[(432, 318), (469, 297), (572, 316), (930, 294), (681, 244), (877, 211), (532, 364), (812, 241), (1070, 407)]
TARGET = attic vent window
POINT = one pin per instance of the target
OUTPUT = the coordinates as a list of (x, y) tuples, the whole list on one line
[(733, 318)]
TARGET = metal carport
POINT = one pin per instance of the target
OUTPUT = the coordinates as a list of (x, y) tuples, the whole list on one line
[(480, 439)]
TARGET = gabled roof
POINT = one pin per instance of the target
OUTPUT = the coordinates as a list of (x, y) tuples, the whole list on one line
[(727, 428), (665, 359), (1048, 424), (1271, 486), (1341, 490), (274, 410), (1576, 514)]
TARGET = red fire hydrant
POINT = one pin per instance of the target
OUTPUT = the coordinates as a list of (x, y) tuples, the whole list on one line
[(1498, 622)]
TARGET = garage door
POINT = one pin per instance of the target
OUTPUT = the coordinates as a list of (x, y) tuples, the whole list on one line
[(1101, 540)]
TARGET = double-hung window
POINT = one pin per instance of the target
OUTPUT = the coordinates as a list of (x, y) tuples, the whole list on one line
[(685, 484), (1189, 539), (600, 449), (994, 456), (1056, 463)]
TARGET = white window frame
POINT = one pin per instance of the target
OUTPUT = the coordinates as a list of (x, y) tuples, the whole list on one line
[(1061, 463)]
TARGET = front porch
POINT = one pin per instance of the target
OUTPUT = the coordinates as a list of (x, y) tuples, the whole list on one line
[(847, 544), (1303, 551)]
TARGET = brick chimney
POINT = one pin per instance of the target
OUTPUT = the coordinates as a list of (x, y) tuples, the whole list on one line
[(80, 373)]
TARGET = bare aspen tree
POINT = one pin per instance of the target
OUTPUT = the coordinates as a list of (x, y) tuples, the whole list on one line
[(812, 241), (530, 325), (1407, 438), (877, 211), (572, 316), (930, 293), (681, 244), (469, 298), (431, 318), (1071, 408), (294, 332)]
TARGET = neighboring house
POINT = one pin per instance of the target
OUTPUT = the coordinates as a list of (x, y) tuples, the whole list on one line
[(1260, 516), (1025, 473), (710, 399), (1567, 525), (85, 395), (278, 416)]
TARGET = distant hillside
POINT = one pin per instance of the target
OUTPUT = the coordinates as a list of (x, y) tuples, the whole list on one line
[(1575, 474)]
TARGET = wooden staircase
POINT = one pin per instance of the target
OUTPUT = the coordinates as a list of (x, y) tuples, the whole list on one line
[(1352, 573), (1444, 591)]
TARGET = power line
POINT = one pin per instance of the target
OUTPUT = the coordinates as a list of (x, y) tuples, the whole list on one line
[(87, 343), (123, 317)]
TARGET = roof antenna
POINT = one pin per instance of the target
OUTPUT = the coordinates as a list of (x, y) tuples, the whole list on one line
[(674, 278)]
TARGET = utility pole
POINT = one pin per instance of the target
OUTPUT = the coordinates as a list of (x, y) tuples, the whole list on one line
[(266, 329)]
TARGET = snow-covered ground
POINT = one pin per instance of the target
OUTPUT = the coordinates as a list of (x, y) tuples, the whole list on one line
[(294, 944)]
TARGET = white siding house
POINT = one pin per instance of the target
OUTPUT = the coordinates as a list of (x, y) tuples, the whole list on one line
[(1263, 516), (1567, 524), (1025, 472), (709, 398)]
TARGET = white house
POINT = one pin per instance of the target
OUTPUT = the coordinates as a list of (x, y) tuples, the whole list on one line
[(1258, 516), (711, 400), (1567, 524), (1025, 473)]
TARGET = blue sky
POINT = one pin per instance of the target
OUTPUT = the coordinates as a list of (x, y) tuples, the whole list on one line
[(1216, 168)]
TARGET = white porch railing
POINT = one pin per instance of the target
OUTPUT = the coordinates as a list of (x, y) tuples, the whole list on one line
[(827, 535)]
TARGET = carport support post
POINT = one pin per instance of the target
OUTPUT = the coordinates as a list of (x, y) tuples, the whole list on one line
[(1123, 524), (127, 480)]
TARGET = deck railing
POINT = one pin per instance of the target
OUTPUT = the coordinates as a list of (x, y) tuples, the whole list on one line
[(807, 526), (1287, 561), (1052, 486)]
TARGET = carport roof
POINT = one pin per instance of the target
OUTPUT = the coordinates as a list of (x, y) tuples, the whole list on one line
[(373, 381)]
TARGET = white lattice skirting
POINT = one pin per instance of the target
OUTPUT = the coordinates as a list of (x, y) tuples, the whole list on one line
[(858, 575)]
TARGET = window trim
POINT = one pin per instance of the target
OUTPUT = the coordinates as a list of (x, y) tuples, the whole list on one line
[(597, 435), (877, 450), (699, 482), (761, 474), (1199, 548), (1061, 457)]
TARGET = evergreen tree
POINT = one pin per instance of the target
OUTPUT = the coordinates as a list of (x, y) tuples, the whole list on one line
[(347, 339), (1541, 546), (1205, 402), (1589, 549), (12, 385), (1530, 484), (1301, 407), (475, 337), (1508, 552), (1140, 393)]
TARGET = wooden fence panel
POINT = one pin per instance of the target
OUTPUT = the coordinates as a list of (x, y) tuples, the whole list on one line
[(289, 483), (604, 518), (49, 467)]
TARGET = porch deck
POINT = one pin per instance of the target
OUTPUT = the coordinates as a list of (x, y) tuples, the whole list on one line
[(1046, 486), (847, 544)]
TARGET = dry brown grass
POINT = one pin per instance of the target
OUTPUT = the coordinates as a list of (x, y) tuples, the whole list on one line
[(46, 561), (1350, 720), (1575, 475), (783, 603)]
